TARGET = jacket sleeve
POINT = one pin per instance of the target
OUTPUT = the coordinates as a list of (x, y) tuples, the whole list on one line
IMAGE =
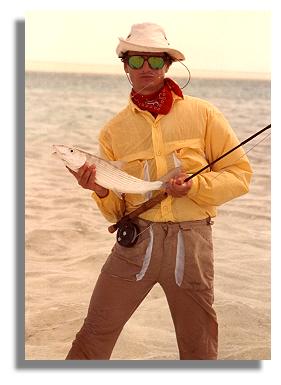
[(112, 207), (228, 178)]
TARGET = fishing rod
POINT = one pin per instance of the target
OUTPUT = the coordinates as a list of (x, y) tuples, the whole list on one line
[(128, 232), (228, 152)]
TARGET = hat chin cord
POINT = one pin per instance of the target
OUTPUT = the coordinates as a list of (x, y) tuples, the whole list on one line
[(189, 74), (129, 80), (188, 81), (149, 84)]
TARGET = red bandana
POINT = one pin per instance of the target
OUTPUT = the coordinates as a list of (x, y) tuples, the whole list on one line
[(161, 101)]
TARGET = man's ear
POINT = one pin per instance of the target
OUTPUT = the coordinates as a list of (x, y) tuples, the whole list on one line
[(167, 67)]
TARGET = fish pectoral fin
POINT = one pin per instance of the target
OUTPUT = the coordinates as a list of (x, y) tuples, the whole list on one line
[(171, 174)]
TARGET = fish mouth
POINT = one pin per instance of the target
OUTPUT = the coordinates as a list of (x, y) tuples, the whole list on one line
[(55, 150)]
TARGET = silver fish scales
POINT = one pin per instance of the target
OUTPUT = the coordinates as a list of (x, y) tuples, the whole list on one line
[(108, 175)]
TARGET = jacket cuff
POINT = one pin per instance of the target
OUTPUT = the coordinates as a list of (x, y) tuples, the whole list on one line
[(99, 199), (194, 187)]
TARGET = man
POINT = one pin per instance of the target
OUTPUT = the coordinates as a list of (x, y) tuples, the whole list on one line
[(159, 130)]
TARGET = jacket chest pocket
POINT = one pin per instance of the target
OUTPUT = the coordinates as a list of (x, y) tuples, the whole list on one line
[(191, 155), (134, 168)]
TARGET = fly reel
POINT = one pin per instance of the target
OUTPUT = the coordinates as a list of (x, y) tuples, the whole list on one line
[(127, 234)]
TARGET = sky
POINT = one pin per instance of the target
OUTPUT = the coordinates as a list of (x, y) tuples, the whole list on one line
[(212, 40)]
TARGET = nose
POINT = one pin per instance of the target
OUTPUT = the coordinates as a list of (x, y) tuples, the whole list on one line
[(145, 67)]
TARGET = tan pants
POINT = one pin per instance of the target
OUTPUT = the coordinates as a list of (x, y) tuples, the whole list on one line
[(130, 273)]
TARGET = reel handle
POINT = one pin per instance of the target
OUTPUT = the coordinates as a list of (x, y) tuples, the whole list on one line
[(112, 228)]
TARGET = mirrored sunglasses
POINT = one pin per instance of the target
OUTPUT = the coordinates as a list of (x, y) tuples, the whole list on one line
[(137, 61)]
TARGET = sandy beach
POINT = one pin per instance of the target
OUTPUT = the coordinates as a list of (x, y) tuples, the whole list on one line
[(67, 241)]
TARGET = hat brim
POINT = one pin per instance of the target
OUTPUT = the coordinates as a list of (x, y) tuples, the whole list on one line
[(125, 46)]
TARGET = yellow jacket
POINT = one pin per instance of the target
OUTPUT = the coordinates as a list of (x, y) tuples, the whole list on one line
[(191, 135)]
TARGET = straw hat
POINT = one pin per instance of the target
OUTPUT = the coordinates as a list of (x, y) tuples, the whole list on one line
[(147, 37)]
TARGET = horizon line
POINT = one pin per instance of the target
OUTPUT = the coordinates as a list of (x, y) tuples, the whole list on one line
[(114, 69)]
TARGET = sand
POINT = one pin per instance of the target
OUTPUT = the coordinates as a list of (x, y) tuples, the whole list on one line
[(67, 242)]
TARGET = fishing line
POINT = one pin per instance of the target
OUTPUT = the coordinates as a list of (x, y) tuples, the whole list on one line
[(208, 165), (128, 237), (131, 230), (246, 152), (220, 173), (147, 228), (147, 85)]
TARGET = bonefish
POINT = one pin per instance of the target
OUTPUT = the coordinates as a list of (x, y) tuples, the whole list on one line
[(108, 175)]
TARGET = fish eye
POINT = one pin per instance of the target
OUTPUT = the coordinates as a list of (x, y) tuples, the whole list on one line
[(71, 150)]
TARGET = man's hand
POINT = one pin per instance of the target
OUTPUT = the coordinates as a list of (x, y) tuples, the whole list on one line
[(86, 177), (177, 187)]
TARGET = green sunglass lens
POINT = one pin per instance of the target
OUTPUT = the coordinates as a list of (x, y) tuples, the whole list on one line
[(136, 61), (156, 62)]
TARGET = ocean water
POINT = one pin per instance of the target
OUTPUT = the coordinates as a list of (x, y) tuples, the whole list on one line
[(67, 240), (75, 106), (63, 108)]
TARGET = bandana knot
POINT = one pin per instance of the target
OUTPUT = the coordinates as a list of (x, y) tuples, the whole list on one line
[(159, 102)]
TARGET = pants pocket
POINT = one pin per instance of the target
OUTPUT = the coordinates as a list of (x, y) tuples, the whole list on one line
[(199, 258), (127, 262)]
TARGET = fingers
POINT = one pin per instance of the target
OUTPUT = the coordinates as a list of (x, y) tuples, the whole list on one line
[(71, 171), (80, 171), (180, 178), (177, 187), (87, 176)]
